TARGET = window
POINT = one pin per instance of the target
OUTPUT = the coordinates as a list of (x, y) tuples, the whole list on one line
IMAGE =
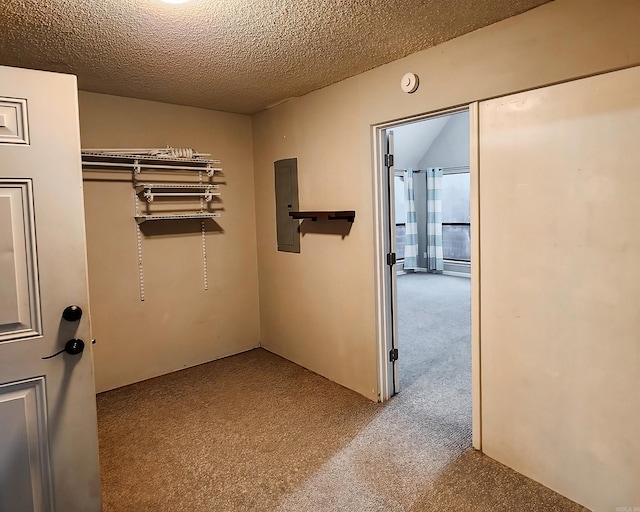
[(456, 217), (401, 216)]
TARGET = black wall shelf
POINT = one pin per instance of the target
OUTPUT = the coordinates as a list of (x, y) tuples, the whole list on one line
[(348, 215)]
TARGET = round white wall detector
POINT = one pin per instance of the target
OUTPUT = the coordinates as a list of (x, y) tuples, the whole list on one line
[(409, 82)]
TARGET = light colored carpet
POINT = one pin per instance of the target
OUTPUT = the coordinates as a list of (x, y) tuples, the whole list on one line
[(434, 331), (256, 432)]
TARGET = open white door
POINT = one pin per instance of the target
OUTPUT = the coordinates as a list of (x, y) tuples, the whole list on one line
[(48, 434), (391, 262)]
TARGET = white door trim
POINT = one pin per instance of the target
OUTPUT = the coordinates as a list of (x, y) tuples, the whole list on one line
[(382, 243), (474, 168)]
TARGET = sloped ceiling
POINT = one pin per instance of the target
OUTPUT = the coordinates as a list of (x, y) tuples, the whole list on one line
[(412, 141), (230, 55)]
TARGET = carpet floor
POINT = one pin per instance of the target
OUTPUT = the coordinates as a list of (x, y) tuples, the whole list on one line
[(255, 432), (434, 334)]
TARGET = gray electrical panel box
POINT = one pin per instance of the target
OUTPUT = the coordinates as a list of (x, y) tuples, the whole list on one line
[(288, 233)]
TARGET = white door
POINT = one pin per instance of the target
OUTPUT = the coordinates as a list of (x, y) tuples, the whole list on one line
[(48, 434), (391, 261), (560, 286)]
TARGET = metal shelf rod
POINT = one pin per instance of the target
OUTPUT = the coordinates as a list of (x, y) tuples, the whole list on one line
[(167, 158), (147, 152), (143, 218), (149, 166), (182, 194), (148, 186)]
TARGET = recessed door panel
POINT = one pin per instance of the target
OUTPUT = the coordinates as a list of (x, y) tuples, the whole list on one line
[(24, 458), (20, 314), (13, 121)]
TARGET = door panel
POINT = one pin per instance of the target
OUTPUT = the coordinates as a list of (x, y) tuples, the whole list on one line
[(24, 464), (13, 121), (559, 286), (20, 314), (47, 405)]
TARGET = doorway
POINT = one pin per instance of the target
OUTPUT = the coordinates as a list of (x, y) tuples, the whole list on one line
[(433, 247), (426, 188)]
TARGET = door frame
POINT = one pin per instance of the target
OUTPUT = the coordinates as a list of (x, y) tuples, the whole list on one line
[(385, 302)]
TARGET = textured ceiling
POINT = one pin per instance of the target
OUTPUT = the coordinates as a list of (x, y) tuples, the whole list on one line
[(230, 55)]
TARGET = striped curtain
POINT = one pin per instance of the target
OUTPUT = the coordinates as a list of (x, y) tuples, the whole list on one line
[(434, 219), (411, 225)]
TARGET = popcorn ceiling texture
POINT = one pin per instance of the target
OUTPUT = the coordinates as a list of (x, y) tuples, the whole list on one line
[(229, 55)]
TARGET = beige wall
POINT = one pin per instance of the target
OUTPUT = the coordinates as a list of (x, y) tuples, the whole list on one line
[(559, 286), (179, 324), (318, 307)]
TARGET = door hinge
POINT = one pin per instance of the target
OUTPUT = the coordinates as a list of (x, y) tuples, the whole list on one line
[(388, 160), (391, 258), (393, 355)]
